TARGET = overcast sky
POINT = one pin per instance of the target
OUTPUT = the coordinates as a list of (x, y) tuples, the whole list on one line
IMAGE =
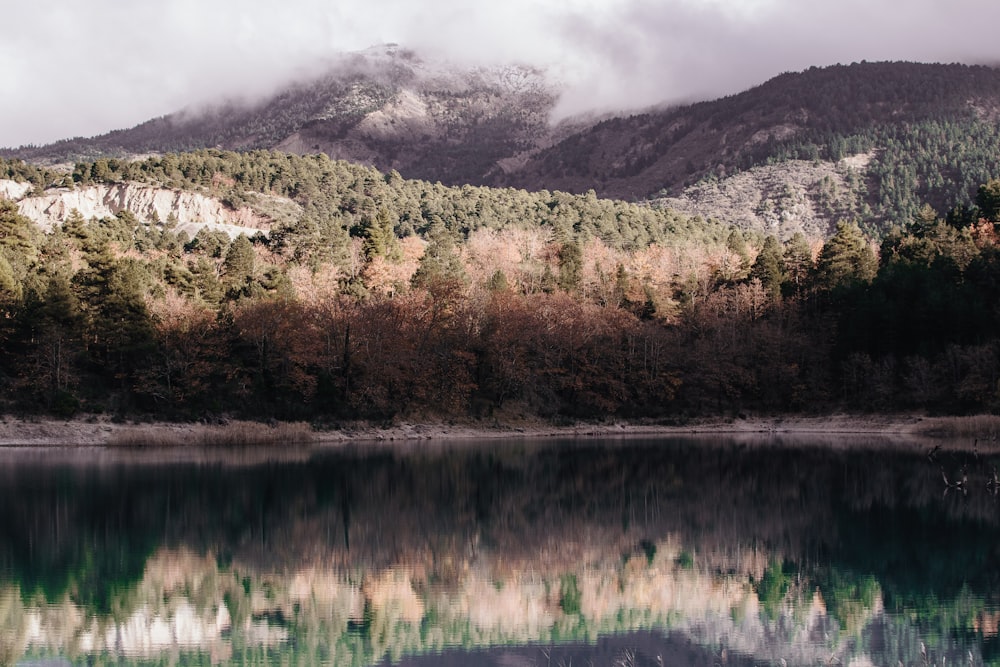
[(71, 68)]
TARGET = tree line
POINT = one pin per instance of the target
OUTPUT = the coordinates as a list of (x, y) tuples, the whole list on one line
[(389, 298)]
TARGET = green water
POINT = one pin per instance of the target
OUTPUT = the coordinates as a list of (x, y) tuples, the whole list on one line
[(622, 551)]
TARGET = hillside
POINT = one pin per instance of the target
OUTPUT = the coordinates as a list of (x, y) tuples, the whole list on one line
[(640, 154), (366, 295), (928, 131), (385, 107), (784, 198)]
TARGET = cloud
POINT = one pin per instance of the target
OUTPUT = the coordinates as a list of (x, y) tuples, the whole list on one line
[(69, 68)]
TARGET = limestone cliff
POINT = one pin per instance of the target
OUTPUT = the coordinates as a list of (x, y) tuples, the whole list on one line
[(148, 204), (13, 190)]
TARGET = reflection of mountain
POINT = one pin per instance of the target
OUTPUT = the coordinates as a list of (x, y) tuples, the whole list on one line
[(367, 553)]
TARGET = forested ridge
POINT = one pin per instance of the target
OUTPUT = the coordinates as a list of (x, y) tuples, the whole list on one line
[(387, 298), (929, 131)]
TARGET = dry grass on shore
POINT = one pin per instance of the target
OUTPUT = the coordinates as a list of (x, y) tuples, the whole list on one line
[(983, 427), (98, 431), (234, 434)]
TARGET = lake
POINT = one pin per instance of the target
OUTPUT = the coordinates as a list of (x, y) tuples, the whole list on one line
[(628, 551)]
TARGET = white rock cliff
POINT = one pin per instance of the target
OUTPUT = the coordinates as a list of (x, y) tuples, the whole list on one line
[(148, 204)]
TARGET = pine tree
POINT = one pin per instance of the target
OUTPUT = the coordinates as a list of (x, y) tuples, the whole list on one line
[(846, 258), (10, 286), (19, 237), (379, 235), (988, 200), (798, 263), (769, 267), (240, 262), (440, 262)]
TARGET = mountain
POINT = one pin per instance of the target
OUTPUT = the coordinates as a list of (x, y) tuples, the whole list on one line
[(867, 141), (638, 155), (384, 107), (928, 133)]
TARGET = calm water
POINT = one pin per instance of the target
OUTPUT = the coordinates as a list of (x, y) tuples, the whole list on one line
[(611, 552)]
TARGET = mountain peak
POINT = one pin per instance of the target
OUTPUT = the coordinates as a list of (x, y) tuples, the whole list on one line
[(392, 108)]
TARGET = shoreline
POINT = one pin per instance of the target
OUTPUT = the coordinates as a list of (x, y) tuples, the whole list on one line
[(95, 431)]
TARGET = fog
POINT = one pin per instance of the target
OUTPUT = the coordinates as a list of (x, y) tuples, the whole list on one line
[(78, 69)]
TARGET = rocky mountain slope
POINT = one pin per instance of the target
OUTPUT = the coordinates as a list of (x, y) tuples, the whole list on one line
[(916, 133), (641, 154), (384, 107), (780, 199)]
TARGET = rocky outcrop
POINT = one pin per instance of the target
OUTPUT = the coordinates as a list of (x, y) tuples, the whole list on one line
[(13, 190), (781, 199), (148, 204)]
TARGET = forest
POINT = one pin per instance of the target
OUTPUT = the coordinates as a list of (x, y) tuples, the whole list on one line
[(375, 297)]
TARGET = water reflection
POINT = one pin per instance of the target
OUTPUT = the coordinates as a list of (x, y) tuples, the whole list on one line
[(670, 551)]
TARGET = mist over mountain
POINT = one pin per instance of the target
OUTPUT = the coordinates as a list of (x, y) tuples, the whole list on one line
[(883, 138), (385, 107)]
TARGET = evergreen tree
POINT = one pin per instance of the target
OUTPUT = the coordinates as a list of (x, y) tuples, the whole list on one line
[(206, 282), (119, 330), (240, 262), (737, 245), (769, 267), (498, 282), (379, 235), (10, 286), (440, 262), (924, 221), (846, 258), (57, 324), (798, 263), (988, 200), (570, 265), (19, 237)]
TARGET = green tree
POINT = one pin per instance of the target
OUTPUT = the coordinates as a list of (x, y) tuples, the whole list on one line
[(379, 235), (769, 267), (798, 263), (988, 200), (240, 262), (56, 321), (10, 286), (119, 330), (19, 236), (440, 262), (846, 258), (570, 264), (924, 221), (498, 282), (206, 281), (75, 227)]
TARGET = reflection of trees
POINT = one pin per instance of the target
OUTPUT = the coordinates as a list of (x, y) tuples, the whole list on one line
[(854, 522), (880, 512), (77, 531)]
